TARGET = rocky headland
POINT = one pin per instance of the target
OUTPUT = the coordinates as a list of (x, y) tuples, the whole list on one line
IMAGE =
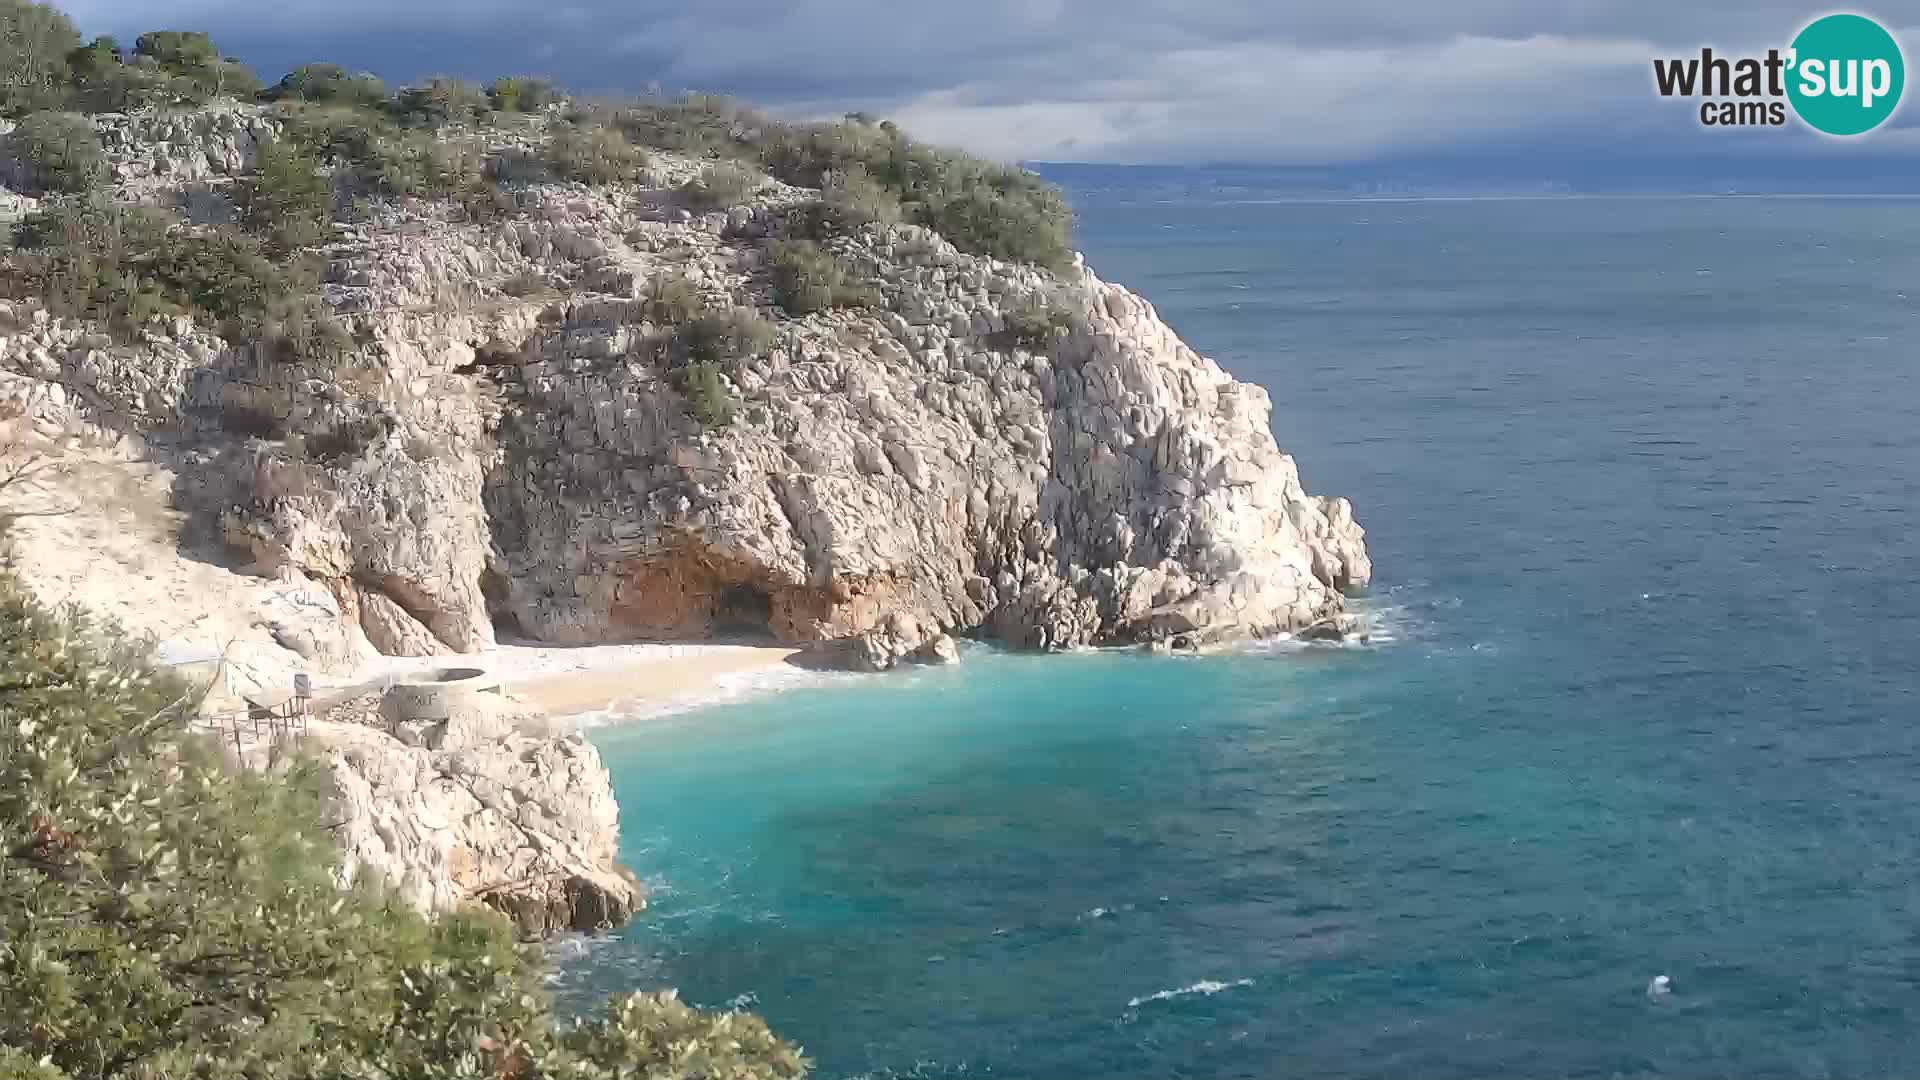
[(517, 434)]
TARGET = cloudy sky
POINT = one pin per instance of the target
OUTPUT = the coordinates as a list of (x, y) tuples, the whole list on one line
[(1274, 81)]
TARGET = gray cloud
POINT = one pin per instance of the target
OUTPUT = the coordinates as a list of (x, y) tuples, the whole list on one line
[(1119, 80)]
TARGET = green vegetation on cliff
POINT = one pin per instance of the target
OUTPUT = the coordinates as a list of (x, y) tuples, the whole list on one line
[(867, 172), (164, 916)]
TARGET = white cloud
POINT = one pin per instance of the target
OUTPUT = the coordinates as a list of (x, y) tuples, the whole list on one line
[(1121, 80), (1285, 104)]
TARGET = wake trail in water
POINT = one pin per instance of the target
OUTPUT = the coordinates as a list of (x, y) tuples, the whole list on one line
[(1207, 987)]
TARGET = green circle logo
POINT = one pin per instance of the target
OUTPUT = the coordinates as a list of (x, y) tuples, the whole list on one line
[(1846, 74)]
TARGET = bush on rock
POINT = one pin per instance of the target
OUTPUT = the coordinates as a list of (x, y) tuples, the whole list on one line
[(164, 916)]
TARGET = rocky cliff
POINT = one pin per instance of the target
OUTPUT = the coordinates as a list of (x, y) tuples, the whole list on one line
[(509, 444), (480, 810), (894, 473)]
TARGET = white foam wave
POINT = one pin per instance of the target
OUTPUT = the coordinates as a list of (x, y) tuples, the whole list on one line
[(725, 689), (1205, 986)]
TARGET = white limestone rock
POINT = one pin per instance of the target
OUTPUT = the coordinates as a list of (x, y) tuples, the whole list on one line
[(524, 823)]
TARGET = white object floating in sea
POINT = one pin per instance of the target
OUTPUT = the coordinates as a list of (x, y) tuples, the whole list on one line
[(1204, 986), (1661, 986)]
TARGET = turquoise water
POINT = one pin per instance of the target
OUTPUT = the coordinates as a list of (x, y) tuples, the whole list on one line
[(1640, 478)]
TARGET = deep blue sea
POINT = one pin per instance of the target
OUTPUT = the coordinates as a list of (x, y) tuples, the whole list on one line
[(1641, 479)]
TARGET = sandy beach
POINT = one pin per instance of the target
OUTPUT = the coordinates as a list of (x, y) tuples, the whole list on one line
[(569, 681), (648, 677)]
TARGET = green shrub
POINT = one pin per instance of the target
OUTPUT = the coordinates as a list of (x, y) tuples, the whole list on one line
[(442, 101), (856, 199), (94, 59), (699, 125), (123, 88), (164, 916), (124, 264), (178, 51), (286, 200), (85, 259), (809, 154), (198, 71), (1036, 322), (522, 95), (806, 279), (35, 41), (657, 1027), (384, 157), (103, 80), (63, 150), (295, 327), (338, 133), (595, 155), (708, 399), (725, 337), (1004, 215), (980, 207), (721, 186), (849, 202), (674, 301), (330, 84)]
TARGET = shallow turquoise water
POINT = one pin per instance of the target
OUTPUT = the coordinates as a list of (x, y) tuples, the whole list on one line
[(1640, 478)]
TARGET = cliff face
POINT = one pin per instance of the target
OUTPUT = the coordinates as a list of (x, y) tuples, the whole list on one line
[(894, 474), (903, 475), (506, 446), (486, 812)]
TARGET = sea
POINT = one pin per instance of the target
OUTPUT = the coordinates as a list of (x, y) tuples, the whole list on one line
[(1641, 482)]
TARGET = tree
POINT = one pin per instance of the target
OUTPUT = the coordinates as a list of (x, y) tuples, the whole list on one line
[(199, 72), (63, 150), (94, 59), (162, 916), (181, 52), (521, 94), (440, 102), (34, 42), (329, 84), (807, 278), (595, 156), (286, 200)]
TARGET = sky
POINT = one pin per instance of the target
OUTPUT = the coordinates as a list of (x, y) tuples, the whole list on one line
[(1280, 82)]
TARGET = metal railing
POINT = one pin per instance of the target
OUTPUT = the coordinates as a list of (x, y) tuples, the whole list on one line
[(286, 720)]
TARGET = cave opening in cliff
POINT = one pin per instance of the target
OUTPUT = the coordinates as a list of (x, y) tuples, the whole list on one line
[(742, 609), (498, 596)]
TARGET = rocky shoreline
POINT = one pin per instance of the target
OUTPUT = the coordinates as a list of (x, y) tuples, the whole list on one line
[(505, 450)]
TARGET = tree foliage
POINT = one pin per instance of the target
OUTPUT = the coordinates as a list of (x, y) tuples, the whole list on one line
[(807, 278), (35, 40), (706, 347), (381, 156), (285, 200), (522, 94), (721, 186), (163, 916), (329, 84), (1037, 322), (439, 102), (595, 155), (63, 150), (981, 207), (196, 70), (124, 265)]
